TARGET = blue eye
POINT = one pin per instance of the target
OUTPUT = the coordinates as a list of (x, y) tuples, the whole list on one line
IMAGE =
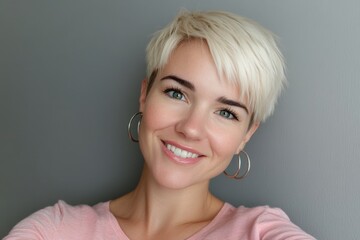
[(174, 93), (225, 113)]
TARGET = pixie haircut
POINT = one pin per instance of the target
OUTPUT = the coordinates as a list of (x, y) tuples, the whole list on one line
[(244, 52)]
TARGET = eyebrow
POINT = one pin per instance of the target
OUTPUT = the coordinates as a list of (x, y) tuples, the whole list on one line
[(182, 82), (191, 86), (230, 102)]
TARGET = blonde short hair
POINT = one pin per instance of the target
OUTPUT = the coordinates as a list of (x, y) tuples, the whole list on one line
[(243, 51)]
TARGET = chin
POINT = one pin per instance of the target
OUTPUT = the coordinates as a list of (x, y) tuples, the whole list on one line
[(174, 180)]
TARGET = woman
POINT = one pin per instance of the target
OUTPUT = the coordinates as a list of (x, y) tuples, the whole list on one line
[(212, 77)]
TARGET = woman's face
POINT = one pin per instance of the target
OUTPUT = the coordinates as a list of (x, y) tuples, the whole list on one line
[(193, 121)]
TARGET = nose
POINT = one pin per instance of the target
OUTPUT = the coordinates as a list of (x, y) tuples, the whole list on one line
[(192, 125)]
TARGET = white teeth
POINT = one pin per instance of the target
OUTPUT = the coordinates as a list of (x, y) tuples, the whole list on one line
[(181, 153)]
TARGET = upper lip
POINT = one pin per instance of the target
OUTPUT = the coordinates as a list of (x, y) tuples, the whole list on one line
[(189, 149)]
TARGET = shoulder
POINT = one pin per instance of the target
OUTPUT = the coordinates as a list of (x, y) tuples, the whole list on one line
[(261, 222), (61, 217), (250, 217), (61, 211), (258, 214)]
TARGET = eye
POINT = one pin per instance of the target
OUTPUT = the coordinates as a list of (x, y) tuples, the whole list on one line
[(175, 93), (228, 114)]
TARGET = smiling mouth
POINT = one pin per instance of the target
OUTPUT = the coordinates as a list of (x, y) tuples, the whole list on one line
[(180, 152)]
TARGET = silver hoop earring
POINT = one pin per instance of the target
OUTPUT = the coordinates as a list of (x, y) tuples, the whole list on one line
[(138, 126), (235, 175)]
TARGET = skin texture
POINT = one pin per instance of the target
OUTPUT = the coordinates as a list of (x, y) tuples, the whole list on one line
[(191, 107)]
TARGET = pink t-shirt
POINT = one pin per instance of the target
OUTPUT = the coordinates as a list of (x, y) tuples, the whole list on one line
[(64, 222)]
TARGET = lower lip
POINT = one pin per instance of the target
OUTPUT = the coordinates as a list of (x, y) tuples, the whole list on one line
[(178, 159)]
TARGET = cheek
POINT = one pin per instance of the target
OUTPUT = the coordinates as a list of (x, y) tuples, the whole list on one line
[(155, 116), (152, 117), (152, 121), (160, 112), (226, 143)]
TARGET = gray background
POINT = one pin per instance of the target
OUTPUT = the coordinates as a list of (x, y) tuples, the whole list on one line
[(70, 73)]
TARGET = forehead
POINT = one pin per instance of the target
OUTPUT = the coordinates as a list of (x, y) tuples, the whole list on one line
[(193, 61)]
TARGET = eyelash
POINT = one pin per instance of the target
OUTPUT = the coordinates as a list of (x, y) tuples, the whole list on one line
[(229, 110), (174, 89), (178, 90)]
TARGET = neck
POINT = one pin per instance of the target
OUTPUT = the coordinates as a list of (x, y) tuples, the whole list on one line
[(158, 207)]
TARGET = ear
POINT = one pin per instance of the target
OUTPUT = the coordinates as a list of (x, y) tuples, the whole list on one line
[(248, 135), (142, 98)]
